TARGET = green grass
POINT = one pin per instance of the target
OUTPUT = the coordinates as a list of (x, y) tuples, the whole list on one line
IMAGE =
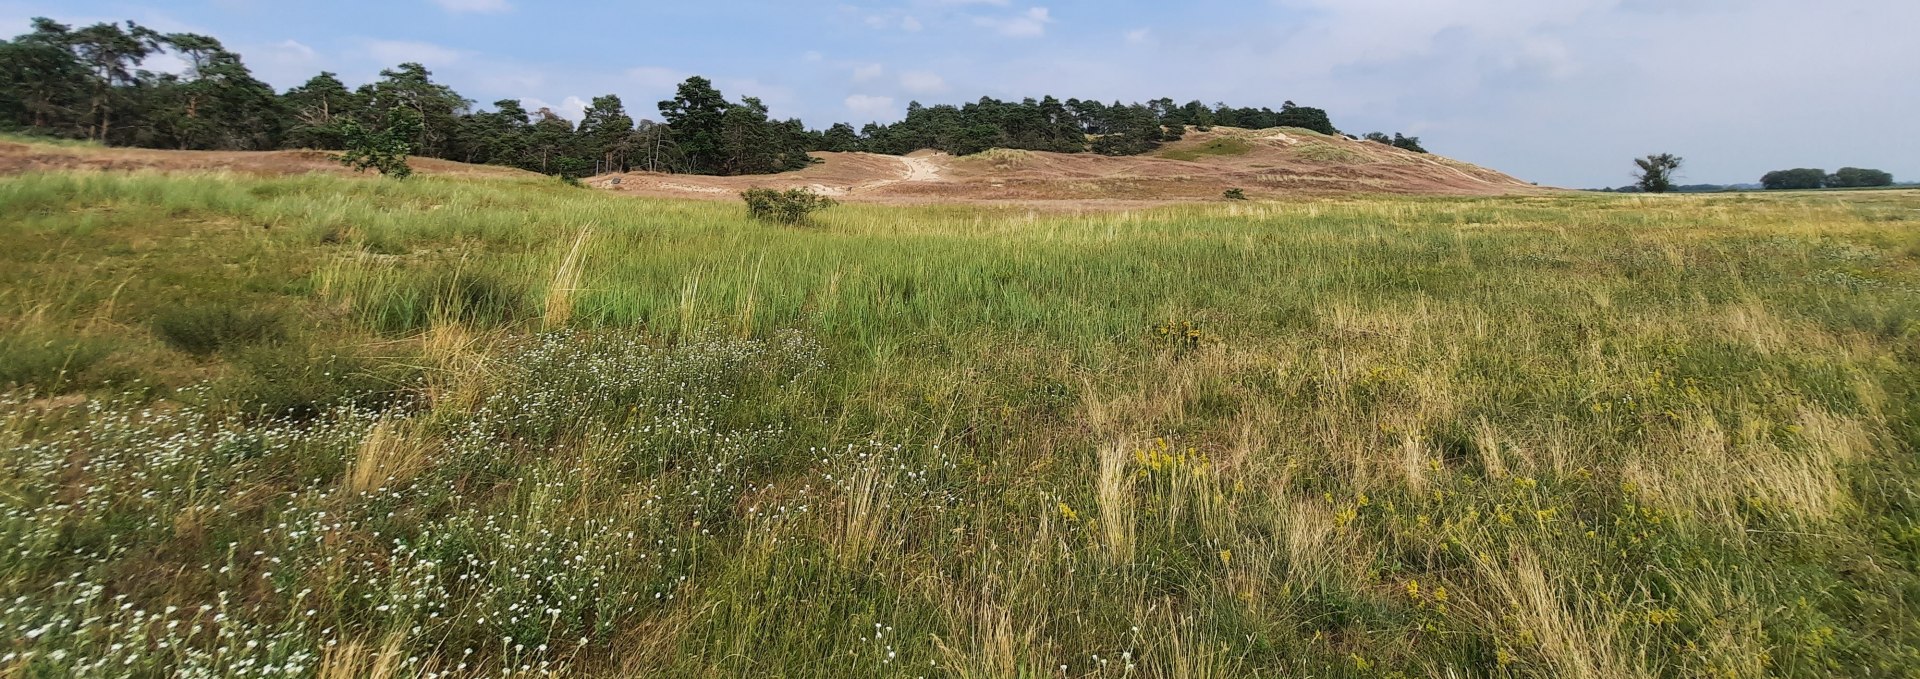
[(509, 425), (1329, 153), (1218, 146)]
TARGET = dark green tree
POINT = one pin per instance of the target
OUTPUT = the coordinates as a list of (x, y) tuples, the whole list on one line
[(1656, 172), (1859, 178), (42, 87), (316, 112), (501, 136), (551, 145), (1796, 179), (215, 104), (411, 86), (606, 133), (840, 138), (697, 115), (110, 53), (1304, 117), (386, 149)]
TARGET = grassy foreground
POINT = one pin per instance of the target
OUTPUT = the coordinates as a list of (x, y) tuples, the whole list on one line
[(356, 428)]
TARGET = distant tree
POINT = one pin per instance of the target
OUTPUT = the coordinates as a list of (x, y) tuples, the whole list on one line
[(1792, 180), (607, 133), (840, 138), (1379, 137), (500, 136), (42, 86), (654, 149), (1407, 143), (215, 104), (1306, 118), (550, 145), (1656, 172), (384, 150), (88, 83), (316, 110), (110, 53), (696, 115), (1857, 178), (972, 139), (439, 108)]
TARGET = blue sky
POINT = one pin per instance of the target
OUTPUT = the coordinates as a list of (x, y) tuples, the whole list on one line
[(1563, 92)]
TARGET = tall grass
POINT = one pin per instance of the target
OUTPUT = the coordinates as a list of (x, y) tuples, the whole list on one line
[(515, 429)]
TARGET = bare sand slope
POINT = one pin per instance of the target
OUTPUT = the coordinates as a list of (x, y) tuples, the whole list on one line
[(1264, 163), (16, 158)]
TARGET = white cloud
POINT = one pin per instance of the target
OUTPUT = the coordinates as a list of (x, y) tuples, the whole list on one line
[(925, 82), (814, 56), (891, 21), (474, 6), (869, 105), (1140, 36), (655, 76), (1029, 24), (572, 108), (391, 52), (866, 72), (284, 64)]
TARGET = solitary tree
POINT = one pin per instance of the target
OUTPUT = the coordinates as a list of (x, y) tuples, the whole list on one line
[(1656, 172), (696, 115), (385, 150)]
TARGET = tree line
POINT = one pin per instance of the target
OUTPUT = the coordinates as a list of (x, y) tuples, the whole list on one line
[(87, 83), (1810, 178)]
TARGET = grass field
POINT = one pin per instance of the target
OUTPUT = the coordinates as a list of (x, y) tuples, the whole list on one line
[(346, 427)]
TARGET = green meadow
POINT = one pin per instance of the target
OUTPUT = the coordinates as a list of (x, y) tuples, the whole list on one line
[(343, 427)]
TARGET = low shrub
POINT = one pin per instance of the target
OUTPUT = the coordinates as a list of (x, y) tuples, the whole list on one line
[(302, 382), (784, 207), (1235, 194), (48, 364), (474, 297), (204, 330)]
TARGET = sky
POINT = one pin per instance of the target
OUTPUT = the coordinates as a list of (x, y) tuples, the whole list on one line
[(1559, 92)]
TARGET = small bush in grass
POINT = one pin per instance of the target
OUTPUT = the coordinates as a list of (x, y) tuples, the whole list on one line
[(206, 329), (302, 382), (48, 364), (784, 207), (1235, 194), (475, 297)]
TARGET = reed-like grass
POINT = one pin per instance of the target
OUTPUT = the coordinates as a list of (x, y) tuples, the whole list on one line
[(511, 428)]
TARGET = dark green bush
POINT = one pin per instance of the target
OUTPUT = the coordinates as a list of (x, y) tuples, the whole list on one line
[(300, 382), (48, 364), (784, 207), (1235, 194), (204, 330), (475, 297)]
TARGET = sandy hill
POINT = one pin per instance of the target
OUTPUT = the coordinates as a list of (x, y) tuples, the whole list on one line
[(16, 157), (1264, 163)]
